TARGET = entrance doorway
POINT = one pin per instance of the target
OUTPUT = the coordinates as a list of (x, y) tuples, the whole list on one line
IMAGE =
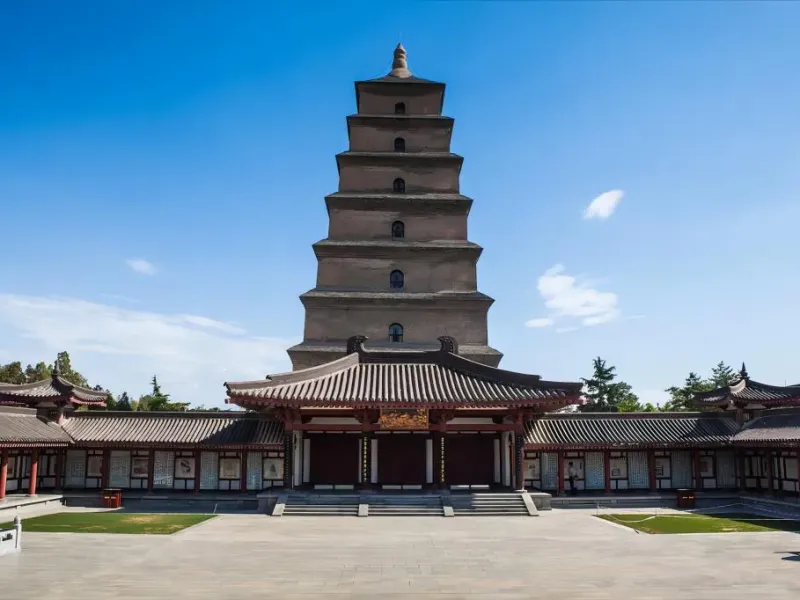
[(401, 459), (334, 458), (469, 459)]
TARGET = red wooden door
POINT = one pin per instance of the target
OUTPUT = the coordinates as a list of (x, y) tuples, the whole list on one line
[(469, 459), (334, 458), (401, 459)]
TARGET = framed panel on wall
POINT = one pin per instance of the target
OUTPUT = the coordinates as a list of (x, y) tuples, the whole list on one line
[(706, 466), (184, 467), (94, 465), (273, 468), (532, 470), (140, 467), (618, 468), (663, 467), (229, 468)]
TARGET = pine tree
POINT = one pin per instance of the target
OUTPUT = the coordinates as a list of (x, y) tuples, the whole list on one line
[(605, 394)]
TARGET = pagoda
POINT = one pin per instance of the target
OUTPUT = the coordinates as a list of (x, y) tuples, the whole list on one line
[(397, 265)]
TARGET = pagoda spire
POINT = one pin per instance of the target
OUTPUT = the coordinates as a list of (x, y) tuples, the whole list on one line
[(56, 370), (400, 63)]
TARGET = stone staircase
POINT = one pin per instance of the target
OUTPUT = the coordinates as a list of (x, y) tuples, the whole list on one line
[(379, 504), (404, 505), (321, 505), (489, 504)]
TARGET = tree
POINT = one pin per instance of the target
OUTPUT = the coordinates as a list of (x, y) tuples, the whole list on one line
[(124, 402), (37, 373), (68, 373), (159, 401), (605, 394), (723, 375), (12, 373), (682, 398)]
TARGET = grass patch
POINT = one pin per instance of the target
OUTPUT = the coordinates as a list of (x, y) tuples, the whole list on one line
[(110, 522), (697, 523)]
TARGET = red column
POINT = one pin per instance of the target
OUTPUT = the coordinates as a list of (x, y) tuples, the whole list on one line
[(243, 474), (34, 473), (197, 471), (151, 469), (59, 467), (3, 472), (651, 470), (106, 468), (607, 470), (560, 480)]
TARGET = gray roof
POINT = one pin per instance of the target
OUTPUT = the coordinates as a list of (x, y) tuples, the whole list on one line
[(212, 429), (55, 389), (746, 391), (773, 426), (630, 430), (21, 427), (413, 379)]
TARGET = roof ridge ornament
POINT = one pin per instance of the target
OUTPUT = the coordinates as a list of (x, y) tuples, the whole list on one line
[(56, 372), (743, 373), (356, 344), (400, 63), (448, 344)]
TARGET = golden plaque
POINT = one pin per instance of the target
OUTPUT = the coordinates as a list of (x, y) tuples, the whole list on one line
[(403, 418)]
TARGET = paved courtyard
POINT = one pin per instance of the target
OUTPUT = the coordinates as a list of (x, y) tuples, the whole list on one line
[(565, 554)]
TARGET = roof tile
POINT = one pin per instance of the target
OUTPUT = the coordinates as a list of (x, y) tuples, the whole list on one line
[(615, 430), (157, 428)]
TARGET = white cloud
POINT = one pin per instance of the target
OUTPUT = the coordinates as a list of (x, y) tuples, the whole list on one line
[(543, 322), (142, 266), (575, 301), (604, 205), (122, 348)]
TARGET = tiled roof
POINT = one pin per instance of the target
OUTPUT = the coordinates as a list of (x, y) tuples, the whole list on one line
[(778, 426), (53, 388), (630, 430), (366, 378), (213, 429), (21, 427), (746, 391)]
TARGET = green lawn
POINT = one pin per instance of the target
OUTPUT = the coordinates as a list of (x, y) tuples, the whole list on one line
[(110, 522), (697, 523)]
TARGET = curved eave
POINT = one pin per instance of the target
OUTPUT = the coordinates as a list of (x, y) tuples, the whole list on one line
[(34, 444), (629, 445), (264, 401), (175, 445)]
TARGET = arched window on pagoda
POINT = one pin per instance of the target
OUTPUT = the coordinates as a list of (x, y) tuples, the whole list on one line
[(395, 333), (399, 186), (399, 145), (398, 230), (396, 280), (400, 108)]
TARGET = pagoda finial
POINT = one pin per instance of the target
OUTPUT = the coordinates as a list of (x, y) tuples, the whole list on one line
[(743, 373), (56, 370), (400, 64)]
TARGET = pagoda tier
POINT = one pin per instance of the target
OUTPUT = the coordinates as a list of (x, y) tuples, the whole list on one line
[(397, 264), (370, 379), (749, 395)]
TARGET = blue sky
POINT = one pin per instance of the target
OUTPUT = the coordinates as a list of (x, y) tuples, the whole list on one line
[(200, 138)]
